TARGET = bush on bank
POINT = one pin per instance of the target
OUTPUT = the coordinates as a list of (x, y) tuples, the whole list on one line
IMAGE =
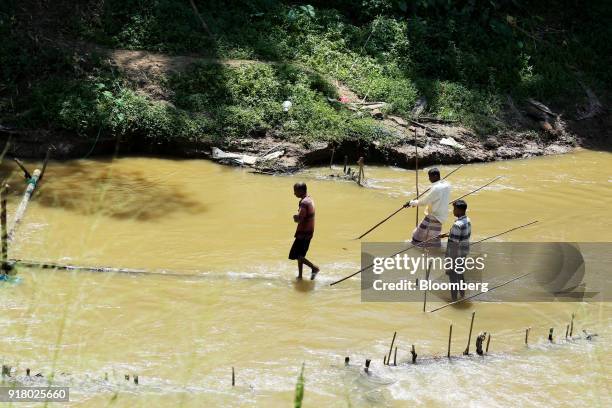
[(465, 57)]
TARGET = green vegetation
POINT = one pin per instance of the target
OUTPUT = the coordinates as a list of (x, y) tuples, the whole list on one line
[(465, 57), (299, 389)]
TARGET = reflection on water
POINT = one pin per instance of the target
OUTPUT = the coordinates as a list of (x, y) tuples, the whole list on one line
[(183, 335)]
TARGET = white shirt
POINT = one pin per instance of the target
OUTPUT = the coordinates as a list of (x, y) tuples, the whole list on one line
[(436, 200)]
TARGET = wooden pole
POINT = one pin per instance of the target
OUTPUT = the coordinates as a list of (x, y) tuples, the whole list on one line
[(550, 334), (367, 365), (331, 160), (233, 377), (385, 359), (345, 163), (566, 331), (416, 174), (467, 349), (436, 237), (4, 231), (414, 354), (402, 207), (488, 341), (450, 335), (572, 326), (527, 336), (395, 357), (136, 379), (361, 173), (426, 279), (20, 212), (391, 348)]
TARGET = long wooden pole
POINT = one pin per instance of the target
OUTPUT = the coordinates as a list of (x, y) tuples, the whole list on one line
[(450, 335), (391, 348), (20, 212), (416, 174), (424, 242), (426, 279), (3, 232), (402, 207)]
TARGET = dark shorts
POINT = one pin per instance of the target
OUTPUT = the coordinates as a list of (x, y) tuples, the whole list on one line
[(299, 248)]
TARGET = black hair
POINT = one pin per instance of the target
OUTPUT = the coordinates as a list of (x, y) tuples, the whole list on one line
[(460, 204), (434, 172), (300, 187)]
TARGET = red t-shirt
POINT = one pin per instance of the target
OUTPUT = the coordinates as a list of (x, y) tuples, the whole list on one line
[(306, 221)]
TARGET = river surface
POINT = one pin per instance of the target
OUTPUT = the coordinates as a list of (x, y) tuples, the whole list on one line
[(237, 305)]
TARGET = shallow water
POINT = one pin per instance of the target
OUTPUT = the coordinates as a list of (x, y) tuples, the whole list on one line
[(229, 231)]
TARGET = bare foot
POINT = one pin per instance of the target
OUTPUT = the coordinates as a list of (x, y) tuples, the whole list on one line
[(313, 275), (299, 277)]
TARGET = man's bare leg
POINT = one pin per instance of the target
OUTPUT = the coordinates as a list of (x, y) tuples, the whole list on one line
[(300, 262), (315, 269)]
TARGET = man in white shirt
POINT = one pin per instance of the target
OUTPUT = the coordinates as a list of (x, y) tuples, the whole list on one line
[(436, 212)]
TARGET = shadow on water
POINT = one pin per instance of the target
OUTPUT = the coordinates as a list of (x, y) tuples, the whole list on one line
[(303, 285), (103, 189)]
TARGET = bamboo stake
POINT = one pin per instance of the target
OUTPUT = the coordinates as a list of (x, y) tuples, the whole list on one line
[(26, 173), (3, 232), (488, 341), (572, 326), (367, 365), (467, 349), (395, 357), (361, 173), (416, 174), (527, 336), (391, 348), (233, 377), (385, 359), (450, 335), (414, 354), (402, 207), (566, 331), (20, 212), (426, 279)]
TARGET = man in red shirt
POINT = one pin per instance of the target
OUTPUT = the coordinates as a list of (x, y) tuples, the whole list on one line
[(305, 219)]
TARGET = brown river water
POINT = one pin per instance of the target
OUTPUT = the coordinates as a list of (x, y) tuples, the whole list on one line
[(229, 231)]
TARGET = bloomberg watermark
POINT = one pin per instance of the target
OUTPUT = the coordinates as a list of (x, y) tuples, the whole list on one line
[(488, 271)]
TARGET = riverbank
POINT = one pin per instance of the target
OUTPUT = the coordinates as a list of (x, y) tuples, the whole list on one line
[(438, 143)]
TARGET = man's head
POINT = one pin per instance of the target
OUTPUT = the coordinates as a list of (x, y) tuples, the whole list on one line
[(434, 174), (459, 208), (299, 189)]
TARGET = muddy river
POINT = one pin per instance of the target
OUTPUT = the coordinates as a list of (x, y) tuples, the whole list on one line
[(228, 232)]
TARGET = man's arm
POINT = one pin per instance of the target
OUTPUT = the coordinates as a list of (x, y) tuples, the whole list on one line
[(302, 214), (425, 200)]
